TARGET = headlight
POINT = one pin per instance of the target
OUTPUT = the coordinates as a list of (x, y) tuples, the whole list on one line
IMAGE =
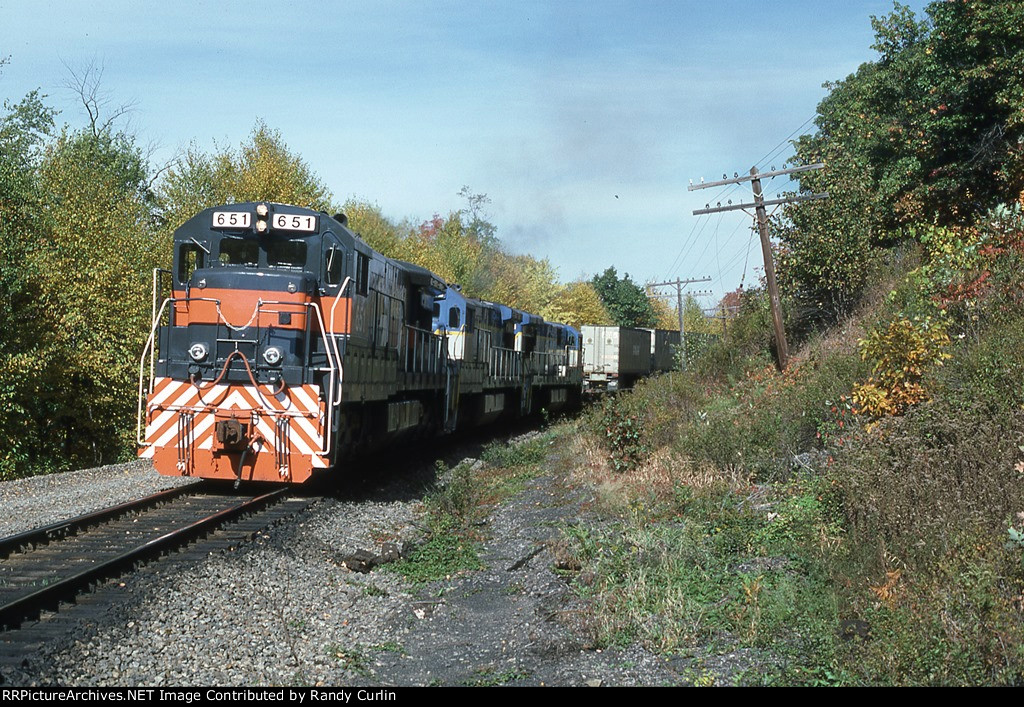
[(198, 352), (272, 355)]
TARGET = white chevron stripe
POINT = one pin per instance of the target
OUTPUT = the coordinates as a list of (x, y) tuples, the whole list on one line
[(242, 399), (167, 414), (169, 390), (303, 397), (311, 431)]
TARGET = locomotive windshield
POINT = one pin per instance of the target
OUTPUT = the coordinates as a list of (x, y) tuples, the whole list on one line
[(289, 254), (273, 253), (239, 251)]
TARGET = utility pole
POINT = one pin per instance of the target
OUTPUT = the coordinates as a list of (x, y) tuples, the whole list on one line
[(761, 214), (679, 285)]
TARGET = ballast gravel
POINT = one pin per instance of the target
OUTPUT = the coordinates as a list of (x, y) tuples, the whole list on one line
[(286, 608), (41, 500)]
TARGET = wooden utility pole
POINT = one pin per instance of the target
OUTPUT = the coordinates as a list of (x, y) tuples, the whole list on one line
[(679, 285), (761, 214)]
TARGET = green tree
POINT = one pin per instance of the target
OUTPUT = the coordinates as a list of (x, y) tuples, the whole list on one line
[(626, 302), (24, 130), (694, 319), (366, 219), (262, 169), (79, 243), (930, 131), (94, 279)]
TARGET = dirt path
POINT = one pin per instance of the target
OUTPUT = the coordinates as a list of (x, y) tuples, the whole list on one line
[(517, 622)]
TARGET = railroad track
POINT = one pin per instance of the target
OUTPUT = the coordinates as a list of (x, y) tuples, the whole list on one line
[(41, 568)]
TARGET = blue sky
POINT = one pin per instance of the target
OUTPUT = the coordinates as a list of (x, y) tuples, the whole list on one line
[(583, 121)]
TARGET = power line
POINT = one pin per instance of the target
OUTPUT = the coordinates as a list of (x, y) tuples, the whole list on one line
[(759, 204), (685, 243), (679, 285)]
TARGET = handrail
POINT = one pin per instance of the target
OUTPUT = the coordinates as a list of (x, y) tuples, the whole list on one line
[(151, 350), (334, 361), (420, 362), (334, 340)]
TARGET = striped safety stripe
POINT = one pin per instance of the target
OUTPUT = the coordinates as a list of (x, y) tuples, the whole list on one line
[(301, 406)]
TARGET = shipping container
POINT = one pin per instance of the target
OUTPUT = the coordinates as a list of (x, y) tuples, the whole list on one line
[(664, 350), (614, 357)]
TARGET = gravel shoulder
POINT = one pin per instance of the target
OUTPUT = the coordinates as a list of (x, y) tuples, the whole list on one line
[(288, 607), (41, 500)]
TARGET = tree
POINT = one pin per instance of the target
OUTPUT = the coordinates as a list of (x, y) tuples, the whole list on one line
[(626, 302), (24, 130), (263, 169), (930, 131), (93, 290), (79, 244), (577, 304), (694, 319), (665, 314), (368, 221)]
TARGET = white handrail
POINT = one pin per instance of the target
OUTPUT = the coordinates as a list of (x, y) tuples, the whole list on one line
[(150, 349), (334, 339)]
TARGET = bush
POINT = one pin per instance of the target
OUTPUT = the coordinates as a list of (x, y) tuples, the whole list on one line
[(622, 434), (900, 353)]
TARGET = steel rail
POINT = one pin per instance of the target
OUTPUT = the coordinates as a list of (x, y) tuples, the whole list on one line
[(29, 605), (62, 528)]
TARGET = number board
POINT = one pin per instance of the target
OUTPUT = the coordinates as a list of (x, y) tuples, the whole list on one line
[(295, 222), (232, 219)]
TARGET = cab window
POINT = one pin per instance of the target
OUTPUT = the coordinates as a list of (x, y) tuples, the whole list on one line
[(362, 274), (334, 266), (454, 321), (288, 254), (238, 251), (190, 259)]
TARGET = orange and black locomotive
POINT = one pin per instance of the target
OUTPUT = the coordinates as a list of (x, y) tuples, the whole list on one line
[(282, 342)]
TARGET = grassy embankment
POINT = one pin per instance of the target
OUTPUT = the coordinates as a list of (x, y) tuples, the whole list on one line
[(854, 520)]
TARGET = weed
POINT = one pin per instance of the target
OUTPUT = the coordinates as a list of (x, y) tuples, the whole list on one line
[(622, 434), (525, 453), (446, 552), (700, 678), (352, 659), (489, 676)]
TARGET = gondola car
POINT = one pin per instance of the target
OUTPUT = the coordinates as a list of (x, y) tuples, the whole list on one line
[(281, 343)]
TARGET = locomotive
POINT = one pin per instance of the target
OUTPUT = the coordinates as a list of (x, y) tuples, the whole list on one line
[(282, 343)]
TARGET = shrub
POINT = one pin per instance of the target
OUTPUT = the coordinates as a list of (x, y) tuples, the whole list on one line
[(622, 435), (901, 353)]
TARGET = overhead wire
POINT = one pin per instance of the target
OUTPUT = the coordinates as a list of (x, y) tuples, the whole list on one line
[(686, 241), (694, 236)]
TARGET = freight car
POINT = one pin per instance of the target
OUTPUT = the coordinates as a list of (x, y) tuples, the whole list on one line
[(614, 357), (281, 343), (664, 350)]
